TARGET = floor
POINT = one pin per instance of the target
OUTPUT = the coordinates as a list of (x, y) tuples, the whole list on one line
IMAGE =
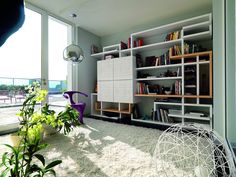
[(102, 149)]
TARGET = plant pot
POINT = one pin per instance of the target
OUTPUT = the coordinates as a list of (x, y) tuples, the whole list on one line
[(48, 130)]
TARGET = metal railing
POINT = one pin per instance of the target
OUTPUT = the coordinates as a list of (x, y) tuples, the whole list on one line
[(12, 90)]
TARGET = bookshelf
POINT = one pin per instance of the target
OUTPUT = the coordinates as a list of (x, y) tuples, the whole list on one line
[(173, 62)]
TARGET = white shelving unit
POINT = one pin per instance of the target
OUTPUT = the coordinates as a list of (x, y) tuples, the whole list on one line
[(183, 108), (100, 108), (191, 30)]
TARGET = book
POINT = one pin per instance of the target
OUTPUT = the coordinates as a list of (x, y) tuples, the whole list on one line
[(123, 45), (166, 115), (162, 115)]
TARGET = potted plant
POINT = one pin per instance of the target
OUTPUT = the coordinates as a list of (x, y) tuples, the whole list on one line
[(25, 160)]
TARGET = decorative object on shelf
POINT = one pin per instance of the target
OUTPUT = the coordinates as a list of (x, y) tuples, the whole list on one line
[(73, 53), (168, 92), (94, 49), (192, 152)]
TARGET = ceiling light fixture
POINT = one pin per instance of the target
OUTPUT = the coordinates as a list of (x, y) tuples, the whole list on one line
[(73, 15)]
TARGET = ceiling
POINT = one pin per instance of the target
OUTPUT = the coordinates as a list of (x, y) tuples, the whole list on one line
[(106, 17)]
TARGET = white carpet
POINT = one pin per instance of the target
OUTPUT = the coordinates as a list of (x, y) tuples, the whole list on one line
[(103, 149)]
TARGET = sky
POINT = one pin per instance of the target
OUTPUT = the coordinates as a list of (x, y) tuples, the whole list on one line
[(21, 54)]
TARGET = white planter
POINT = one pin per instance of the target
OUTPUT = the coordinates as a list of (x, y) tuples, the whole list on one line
[(48, 130)]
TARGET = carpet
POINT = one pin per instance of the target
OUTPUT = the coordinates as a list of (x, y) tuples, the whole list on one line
[(103, 149)]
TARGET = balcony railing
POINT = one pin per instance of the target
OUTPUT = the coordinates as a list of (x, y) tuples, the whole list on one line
[(12, 90)]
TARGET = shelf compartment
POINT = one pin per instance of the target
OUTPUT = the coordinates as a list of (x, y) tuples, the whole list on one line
[(158, 78), (174, 96), (160, 66), (203, 25), (115, 110), (153, 122), (191, 55), (160, 45), (198, 36), (189, 117), (101, 54), (194, 63), (158, 95), (125, 51), (167, 103)]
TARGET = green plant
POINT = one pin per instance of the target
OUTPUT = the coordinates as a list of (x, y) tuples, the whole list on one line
[(24, 160)]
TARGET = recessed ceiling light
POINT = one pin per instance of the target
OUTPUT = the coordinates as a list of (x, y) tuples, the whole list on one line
[(73, 15)]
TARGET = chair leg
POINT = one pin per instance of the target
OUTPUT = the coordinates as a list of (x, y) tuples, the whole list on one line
[(81, 116)]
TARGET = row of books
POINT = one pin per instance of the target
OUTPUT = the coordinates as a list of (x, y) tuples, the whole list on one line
[(173, 36), (175, 50), (161, 115), (178, 87), (143, 88), (163, 59)]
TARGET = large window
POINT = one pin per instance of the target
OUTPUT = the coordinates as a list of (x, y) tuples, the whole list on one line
[(25, 58), (20, 59), (20, 65), (59, 36)]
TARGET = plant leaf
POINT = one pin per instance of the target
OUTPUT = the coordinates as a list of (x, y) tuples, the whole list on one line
[(4, 173), (41, 158), (53, 164), (51, 171), (4, 158)]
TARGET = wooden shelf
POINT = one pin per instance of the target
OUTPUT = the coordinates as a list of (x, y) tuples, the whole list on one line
[(115, 110), (174, 96), (190, 55)]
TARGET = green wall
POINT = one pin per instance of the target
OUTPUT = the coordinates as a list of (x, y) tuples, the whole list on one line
[(87, 69), (230, 71)]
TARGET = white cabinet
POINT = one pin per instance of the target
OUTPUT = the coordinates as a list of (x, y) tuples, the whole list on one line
[(115, 80), (123, 68), (105, 91), (105, 70), (123, 91)]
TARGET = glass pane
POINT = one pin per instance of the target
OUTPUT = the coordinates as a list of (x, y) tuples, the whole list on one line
[(59, 37), (21, 61)]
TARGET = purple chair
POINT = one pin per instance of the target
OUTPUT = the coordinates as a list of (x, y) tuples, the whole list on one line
[(80, 106)]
